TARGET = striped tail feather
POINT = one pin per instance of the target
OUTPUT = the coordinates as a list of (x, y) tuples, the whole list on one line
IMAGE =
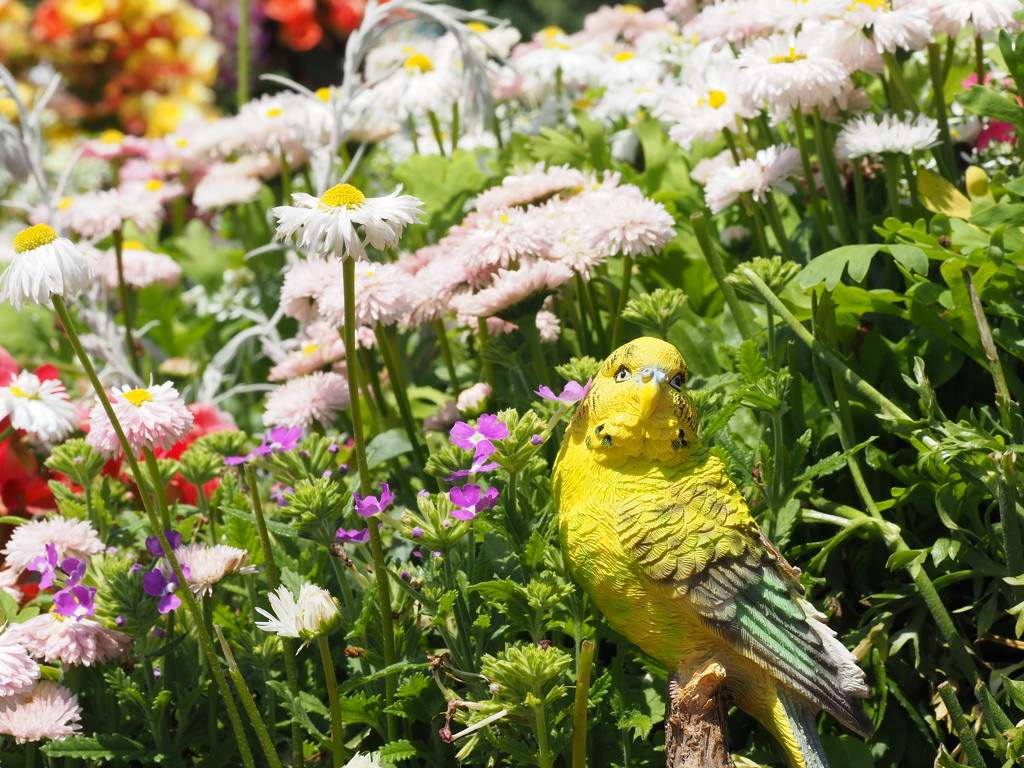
[(795, 726)]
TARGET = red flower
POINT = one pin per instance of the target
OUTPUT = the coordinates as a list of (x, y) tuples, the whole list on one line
[(207, 419)]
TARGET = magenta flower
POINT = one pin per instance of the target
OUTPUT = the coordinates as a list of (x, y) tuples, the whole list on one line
[(277, 440), (479, 439), (471, 501), (371, 505), (45, 565), (480, 464), (153, 543), (75, 602), (355, 536), (157, 584), (572, 392), (75, 569)]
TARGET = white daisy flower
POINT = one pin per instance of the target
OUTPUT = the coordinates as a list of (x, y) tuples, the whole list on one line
[(312, 614), (702, 108), (206, 566), (297, 403), (866, 136), (789, 70), (151, 417), (41, 408), (985, 16), (44, 265), (18, 672), (769, 170), (329, 223)]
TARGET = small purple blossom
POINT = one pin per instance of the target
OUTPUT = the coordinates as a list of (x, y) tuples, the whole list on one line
[(354, 536), (536, 440), (277, 440), (46, 566), (157, 584), (75, 602), (572, 392), (471, 501), (479, 439), (120, 621), (333, 448), (154, 547), (480, 464), (405, 576), (75, 569), (416, 532), (372, 505), (278, 491)]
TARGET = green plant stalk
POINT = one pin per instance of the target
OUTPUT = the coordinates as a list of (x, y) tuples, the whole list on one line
[(190, 601), (860, 200), (627, 277), (339, 753), (901, 95), (380, 567), (455, 125), (286, 179), (758, 227), (126, 307), (578, 318), (242, 87), (158, 488), (291, 673), (435, 126), (584, 665), (1010, 518), (833, 184), (377, 406), (739, 312), (543, 751), (387, 350), (1003, 399), (586, 291), (979, 58), (270, 567), (943, 153), (775, 222), (962, 727), (892, 182), (463, 623), (262, 734), (998, 722), (486, 368), (812, 187), (446, 355)]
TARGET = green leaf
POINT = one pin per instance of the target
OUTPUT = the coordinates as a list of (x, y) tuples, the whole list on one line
[(939, 196), (101, 747), (386, 446), (985, 101), (750, 363), (910, 257), (905, 557), (398, 750), (1015, 690), (828, 268), (998, 215)]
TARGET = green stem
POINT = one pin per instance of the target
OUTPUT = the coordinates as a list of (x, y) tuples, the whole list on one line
[(892, 182), (286, 179), (944, 152), (1010, 519), (739, 312), (587, 294), (435, 126), (833, 184), (961, 725), (627, 276), (337, 726), (262, 734), (158, 487), (242, 87), (126, 306), (775, 222), (455, 125), (979, 58), (291, 672), (901, 96), (446, 354), (812, 186), (387, 350), (190, 601), (1003, 400), (380, 568), (270, 567), (861, 201), (758, 226), (543, 751), (584, 665), (486, 368)]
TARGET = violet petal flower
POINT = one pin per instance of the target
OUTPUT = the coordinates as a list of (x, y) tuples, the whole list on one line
[(74, 568), (487, 429), (46, 566), (371, 505), (154, 547), (572, 392), (75, 602), (480, 464), (470, 501), (354, 536), (157, 584), (279, 439)]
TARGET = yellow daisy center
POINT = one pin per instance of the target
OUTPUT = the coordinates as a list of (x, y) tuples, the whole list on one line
[(418, 61), (132, 245), (790, 59), (65, 203), (22, 393), (137, 397), (550, 33), (275, 112), (181, 143), (154, 185), (714, 100), (309, 349), (624, 56), (478, 26), (111, 136), (34, 237), (324, 93), (342, 195), (630, 9), (875, 5)]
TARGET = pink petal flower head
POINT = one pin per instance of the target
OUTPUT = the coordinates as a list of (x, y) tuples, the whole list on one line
[(75, 602), (479, 438), (480, 463), (371, 505), (151, 417), (301, 401), (572, 392), (71, 538), (471, 501), (18, 672), (204, 566), (51, 711), (354, 536), (82, 641)]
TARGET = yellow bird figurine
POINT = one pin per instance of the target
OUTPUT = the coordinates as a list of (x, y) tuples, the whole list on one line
[(662, 540)]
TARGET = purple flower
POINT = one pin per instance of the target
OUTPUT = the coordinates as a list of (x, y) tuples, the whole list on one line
[(157, 584), (536, 440), (46, 566), (371, 505), (416, 532), (572, 392), (275, 441), (74, 568), (471, 501), (120, 621), (355, 536), (480, 464), (479, 439), (154, 547), (75, 602)]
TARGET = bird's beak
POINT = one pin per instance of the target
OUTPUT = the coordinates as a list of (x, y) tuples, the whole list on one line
[(650, 382)]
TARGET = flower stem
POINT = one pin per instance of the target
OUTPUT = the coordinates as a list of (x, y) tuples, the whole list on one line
[(337, 727), (379, 566), (979, 58), (812, 186), (158, 487), (739, 312), (833, 183), (892, 164), (944, 152), (125, 295), (584, 665), (901, 96), (486, 369), (242, 86), (387, 350), (543, 751), (446, 354), (775, 222), (273, 577), (861, 201), (190, 601), (961, 725), (262, 734), (435, 126)]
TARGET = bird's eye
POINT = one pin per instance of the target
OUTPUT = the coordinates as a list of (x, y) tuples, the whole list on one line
[(677, 381), (622, 374)]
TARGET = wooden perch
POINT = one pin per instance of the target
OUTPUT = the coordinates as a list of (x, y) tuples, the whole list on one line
[(695, 729)]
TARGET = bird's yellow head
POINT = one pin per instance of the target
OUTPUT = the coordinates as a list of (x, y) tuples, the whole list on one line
[(638, 407)]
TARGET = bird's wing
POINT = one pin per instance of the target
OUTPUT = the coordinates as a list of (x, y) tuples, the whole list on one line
[(701, 542)]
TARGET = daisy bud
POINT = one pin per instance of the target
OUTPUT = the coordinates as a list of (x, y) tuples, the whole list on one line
[(44, 265), (315, 612)]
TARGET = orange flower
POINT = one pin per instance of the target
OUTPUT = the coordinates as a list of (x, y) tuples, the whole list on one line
[(48, 25)]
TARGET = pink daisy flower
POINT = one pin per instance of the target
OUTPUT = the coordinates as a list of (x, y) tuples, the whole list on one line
[(300, 402), (304, 284), (112, 144), (503, 237), (71, 538), (18, 672), (51, 711), (383, 296), (95, 215), (631, 224), (548, 325), (225, 184), (511, 287), (208, 565), (72, 641), (529, 186), (141, 267), (474, 399), (320, 344), (151, 417)]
